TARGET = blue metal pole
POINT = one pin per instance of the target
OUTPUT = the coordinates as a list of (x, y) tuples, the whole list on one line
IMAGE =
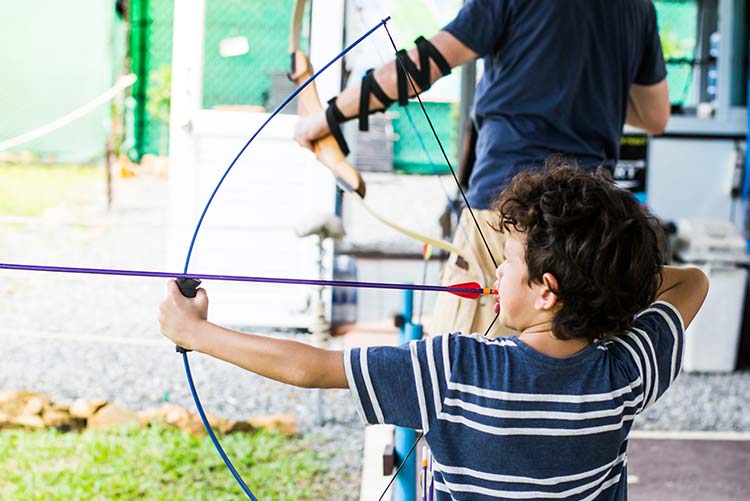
[(746, 180), (408, 312), (405, 487)]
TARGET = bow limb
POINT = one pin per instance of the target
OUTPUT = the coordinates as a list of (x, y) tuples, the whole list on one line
[(435, 242), (326, 149)]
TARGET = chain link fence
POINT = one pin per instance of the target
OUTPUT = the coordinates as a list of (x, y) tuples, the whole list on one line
[(408, 152), (245, 61), (678, 30)]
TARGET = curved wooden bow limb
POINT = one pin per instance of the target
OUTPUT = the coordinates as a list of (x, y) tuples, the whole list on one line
[(327, 150)]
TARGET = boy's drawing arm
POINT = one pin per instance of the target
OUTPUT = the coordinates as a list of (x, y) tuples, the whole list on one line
[(685, 289), (184, 321)]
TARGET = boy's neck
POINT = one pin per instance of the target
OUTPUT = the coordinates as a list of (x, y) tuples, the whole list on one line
[(546, 343)]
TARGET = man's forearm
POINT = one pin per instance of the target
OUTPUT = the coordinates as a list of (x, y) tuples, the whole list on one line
[(631, 115), (454, 52), (648, 107), (283, 360), (387, 78)]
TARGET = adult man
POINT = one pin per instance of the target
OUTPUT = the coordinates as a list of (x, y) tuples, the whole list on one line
[(559, 78)]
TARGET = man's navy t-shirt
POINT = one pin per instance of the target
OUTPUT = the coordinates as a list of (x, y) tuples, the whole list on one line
[(556, 80)]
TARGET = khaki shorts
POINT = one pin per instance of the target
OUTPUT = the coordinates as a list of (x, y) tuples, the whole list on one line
[(456, 314)]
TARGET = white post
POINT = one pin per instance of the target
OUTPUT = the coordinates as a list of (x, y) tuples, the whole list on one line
[(187, 100), (326, 40)]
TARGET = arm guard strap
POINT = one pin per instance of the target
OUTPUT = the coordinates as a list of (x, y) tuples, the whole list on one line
[(334, 117), (420, 74)]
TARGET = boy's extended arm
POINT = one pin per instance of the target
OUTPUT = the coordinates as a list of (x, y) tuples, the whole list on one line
[(290, 362), (184, 321), (685, 289)]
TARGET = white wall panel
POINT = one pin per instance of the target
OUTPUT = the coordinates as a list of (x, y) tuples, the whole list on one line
[(690, 178)]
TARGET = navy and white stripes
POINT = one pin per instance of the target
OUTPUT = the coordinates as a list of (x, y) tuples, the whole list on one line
[(507, 422)]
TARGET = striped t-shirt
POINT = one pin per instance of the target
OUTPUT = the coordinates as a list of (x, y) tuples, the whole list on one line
[(507, 422)]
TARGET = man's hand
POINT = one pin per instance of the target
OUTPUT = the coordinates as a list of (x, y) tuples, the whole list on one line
[(311, 128), (181, 317)]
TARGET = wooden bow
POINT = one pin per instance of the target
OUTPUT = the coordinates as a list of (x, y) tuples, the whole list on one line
[(327, 150)]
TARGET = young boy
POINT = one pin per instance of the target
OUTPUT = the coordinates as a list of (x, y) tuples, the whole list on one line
[(545, 414)]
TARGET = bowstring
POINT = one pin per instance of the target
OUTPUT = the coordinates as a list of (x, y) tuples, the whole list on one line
[(440, 144), (419, 437), (463, 195), (433, 166), (445, 157), (447, 160), (430, 161)]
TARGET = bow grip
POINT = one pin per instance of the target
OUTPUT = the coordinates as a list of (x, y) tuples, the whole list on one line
[(189, 288)]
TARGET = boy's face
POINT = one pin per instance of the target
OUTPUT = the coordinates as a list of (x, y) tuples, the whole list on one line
[(519, 304)]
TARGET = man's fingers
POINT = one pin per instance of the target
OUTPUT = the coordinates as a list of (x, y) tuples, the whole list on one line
[(303, 141)]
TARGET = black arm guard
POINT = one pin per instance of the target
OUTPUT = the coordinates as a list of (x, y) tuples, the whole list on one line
[(334, 117), (421, 75), (404, 65)]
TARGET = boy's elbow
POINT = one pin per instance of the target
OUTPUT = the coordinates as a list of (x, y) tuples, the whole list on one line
[(300, 377), (305, 373), (702, 284), (696, 282)]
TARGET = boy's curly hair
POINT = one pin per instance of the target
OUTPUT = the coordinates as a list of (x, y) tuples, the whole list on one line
[(600, 245)]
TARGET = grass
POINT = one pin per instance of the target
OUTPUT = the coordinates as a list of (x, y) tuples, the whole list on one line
[(155, 463), (31, 190)]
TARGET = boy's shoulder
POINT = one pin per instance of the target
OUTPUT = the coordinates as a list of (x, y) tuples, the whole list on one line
[(462, 351), (460, 344)]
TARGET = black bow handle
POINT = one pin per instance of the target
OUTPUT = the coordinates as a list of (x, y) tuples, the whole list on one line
[(188, 288)]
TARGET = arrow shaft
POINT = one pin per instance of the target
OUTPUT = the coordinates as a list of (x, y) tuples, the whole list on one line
[(238, 278)]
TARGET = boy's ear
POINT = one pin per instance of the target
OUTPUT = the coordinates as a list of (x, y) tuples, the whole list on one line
[(547, 300)]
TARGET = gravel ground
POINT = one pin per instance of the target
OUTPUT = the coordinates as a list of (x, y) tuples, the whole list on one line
[(79, 336), (89, 337)]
